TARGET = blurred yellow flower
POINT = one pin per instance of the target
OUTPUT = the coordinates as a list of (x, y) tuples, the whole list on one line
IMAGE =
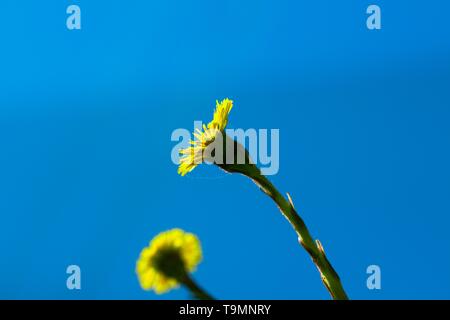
[(168, 259), (193, 155)]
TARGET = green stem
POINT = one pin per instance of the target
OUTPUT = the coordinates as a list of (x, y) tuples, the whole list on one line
[(329, 276), (195, 289)]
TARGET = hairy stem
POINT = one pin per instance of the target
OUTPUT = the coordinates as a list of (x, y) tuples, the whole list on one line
[(329, 276)]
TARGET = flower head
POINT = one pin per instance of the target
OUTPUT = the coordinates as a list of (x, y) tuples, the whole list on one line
[(194, 154), (167, 260)]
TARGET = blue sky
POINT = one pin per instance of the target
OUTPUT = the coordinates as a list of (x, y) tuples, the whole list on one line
[(86, 118)]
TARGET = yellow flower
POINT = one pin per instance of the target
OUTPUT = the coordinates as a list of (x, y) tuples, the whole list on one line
[(220, 118), (193, 155), (170, 256)]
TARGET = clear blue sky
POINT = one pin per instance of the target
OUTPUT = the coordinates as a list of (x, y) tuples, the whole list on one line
[(86, 118)]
